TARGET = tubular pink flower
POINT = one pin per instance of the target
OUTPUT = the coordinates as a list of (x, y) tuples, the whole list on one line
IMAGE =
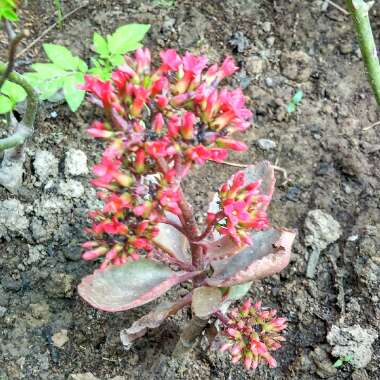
[(157, 124), (249, 340), (170, 60)]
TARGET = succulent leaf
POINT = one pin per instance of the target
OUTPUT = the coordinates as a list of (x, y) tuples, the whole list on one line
[(269, 254), (123, 287)]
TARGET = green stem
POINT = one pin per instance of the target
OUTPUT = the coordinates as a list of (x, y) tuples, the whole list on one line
[(25, 128), (359, 10)]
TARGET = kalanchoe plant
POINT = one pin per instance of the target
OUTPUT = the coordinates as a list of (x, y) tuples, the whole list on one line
[(158, 124)]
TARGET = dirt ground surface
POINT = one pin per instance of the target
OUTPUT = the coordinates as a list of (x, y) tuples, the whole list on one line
[(332, 165)]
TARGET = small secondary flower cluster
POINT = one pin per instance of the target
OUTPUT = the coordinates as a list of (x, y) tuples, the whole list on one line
[(158, 123), (252, 333), (242, 209)]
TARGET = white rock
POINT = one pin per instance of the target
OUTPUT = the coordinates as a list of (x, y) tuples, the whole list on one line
[(75, 163), (266, 144), (60, 338), (266, 26), (3, 310), (70, 188), (321, 230), (12, 217), (354, 341), (83, 376), (45, 165)]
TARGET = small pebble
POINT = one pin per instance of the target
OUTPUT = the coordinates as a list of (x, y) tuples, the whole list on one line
[(266, 27), (3, 310), (269, 82), (60, 338), (266, 144), (75, 163)]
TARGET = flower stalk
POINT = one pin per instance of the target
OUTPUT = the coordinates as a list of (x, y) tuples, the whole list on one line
[(359, 10)]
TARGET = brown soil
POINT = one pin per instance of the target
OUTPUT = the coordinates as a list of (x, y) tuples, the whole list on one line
[(331, 162)]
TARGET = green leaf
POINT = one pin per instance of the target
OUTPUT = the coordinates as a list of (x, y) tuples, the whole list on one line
[(14, 91), (48, 70), (9, 14), (116, 60), (100, 72), (348, 358), (61, 56), (74, 97), (237, 292), (291, 107), (47, 89), (100, 45), (338, 363), (82, 66), (297, 97), (126, 38), (5, 104)]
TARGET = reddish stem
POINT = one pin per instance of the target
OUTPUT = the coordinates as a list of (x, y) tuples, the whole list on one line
[(209, 227), (222, 318), (175, 225)]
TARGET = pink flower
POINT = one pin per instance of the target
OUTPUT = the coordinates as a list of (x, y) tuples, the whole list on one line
[(98, 130), (228, 67), (218, 154), (187, 128), (103, 90), (105, 169), (116, 203), (143, 59), (158, 148), (249, 338), (236, 211), (199, 154), (235, 145), (170, 60), (194, 64)]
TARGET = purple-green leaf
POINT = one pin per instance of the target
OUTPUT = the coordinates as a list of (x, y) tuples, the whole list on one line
[(152, 320), (269, 254), (206, 300), (119, 288), (173, 241)]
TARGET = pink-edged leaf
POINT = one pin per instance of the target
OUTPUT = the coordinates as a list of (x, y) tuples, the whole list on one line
[(269, 254), (119, 288), (206, 300), (152, 320), (173, 241), (262, 171), (222, 248)]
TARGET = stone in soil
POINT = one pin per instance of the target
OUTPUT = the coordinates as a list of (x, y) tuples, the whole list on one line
[(296, 65), (83, 376), (60, 338), (70, 188), (45, 165), (321, 229), (266, 144), (75, 163), (12, 218), (352, 340)]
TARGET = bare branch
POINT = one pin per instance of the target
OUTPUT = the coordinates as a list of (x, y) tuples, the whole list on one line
[(12, 56)]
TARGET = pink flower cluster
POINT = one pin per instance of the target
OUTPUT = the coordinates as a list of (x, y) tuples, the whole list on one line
[(252, 333), (242, 209), (157, 124)]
